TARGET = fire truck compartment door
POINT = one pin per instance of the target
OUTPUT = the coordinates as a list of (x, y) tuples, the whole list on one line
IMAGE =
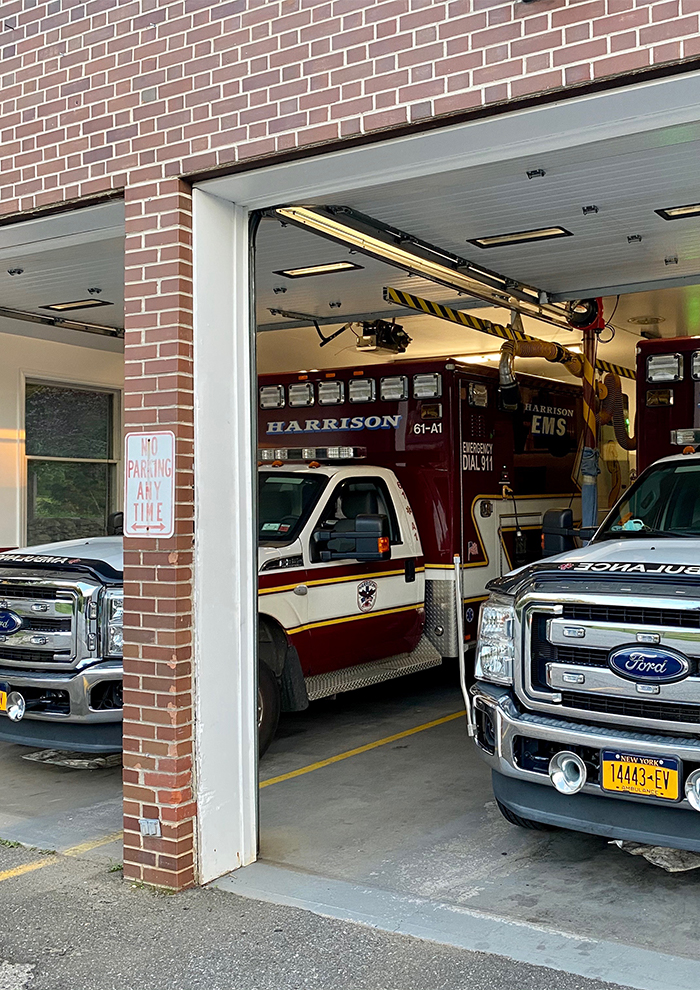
[(360, 611)]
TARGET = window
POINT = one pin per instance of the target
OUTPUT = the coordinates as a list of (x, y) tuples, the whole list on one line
[(70, 461), (284, 504), (361, 496)]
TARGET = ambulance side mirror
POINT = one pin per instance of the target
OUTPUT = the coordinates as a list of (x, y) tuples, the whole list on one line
[(362, 538), (557, 531)]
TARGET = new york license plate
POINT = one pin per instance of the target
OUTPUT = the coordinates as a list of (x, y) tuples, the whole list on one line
[(647, 776), (4, 688)]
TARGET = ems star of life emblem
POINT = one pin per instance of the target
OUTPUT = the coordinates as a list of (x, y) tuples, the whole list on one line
[(366, 595)]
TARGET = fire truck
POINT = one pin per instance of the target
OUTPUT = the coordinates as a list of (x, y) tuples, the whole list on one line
[(587, 694), (388, 497)]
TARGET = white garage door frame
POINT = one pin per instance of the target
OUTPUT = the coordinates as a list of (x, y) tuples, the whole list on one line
[(224, 387)]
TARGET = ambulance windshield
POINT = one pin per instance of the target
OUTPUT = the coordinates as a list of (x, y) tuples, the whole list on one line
[(284, 504), (664, 502)]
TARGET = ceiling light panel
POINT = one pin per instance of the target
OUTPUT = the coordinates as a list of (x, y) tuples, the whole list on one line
[(679, 212), (520, 237), (76, 304), (328, 269)]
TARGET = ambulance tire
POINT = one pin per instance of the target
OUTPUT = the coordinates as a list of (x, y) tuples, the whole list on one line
[(268, 707), (528, 823)]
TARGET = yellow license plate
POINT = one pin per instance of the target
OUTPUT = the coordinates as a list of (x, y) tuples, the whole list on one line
[(646, 776), (3, 701)]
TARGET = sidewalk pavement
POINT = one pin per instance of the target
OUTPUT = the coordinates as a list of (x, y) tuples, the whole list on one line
[(76, 924)]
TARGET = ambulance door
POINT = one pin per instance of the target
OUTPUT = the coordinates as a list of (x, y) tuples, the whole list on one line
[(361, 611)]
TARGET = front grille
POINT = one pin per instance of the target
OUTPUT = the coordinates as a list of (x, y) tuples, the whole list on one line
[(46, 625), (632, 708), (632, 615), (35, 656), (30, 591), (582, 656)]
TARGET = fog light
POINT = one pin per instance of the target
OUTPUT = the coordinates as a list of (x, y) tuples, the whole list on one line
[(16, 706), (567, 771), (692, 789)]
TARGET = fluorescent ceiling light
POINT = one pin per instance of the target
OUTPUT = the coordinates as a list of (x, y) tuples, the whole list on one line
[(679, 212), (390, 252), (76, 304), (329, 269), (521, 237)]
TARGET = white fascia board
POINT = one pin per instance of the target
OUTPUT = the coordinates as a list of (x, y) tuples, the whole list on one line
[(62, 230), (632, 112)]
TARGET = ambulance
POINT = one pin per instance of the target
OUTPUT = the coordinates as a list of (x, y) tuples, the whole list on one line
[(388, 498)]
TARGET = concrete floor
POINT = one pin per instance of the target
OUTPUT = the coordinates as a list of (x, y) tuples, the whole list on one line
[(417, 817), (53, 807)]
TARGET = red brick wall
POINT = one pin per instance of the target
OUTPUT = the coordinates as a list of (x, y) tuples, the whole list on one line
[(158, 722), (98, 93)]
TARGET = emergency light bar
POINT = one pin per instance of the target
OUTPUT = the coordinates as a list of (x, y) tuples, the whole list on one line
[(685, 438), (299, 455)]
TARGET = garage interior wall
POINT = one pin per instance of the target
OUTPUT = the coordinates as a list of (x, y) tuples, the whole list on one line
[(25, 356)]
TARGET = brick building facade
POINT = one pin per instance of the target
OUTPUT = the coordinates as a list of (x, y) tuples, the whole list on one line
[(138, 99)]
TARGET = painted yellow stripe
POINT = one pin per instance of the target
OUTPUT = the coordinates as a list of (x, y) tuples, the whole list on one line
[(360, 749), (39, 864), (85, 847), (337, 580), (351, 618)]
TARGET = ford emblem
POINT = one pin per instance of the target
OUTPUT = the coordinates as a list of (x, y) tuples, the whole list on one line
[(9, 622), (648, 664)]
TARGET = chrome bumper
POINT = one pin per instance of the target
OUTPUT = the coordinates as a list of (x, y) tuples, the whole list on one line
[(78, 685), (509, 723)]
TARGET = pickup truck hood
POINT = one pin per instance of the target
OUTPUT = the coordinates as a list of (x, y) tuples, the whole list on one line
[(669, 561), (635, 550), (109, 550)]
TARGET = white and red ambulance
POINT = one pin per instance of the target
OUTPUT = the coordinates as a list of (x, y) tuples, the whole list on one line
[(371, 483)]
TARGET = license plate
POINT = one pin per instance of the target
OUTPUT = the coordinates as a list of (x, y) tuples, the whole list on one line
[(647, 776), (4, 688)]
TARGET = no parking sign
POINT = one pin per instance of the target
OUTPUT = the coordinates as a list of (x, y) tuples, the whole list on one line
[(149, 483)]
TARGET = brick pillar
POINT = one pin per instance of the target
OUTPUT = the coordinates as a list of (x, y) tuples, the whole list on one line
[(158, 688)]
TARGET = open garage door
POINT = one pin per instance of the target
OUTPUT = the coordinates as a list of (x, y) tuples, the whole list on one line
[(380, 781)]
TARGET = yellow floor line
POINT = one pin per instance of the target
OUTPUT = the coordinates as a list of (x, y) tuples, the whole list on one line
[(28, 867), (94, 844), (37, 864), (360, 749)]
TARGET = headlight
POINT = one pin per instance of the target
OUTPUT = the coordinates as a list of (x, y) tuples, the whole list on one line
[(495, 647), (114, 622)]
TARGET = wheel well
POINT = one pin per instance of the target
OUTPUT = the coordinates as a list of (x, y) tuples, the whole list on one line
[(272, 644), (277, 653)]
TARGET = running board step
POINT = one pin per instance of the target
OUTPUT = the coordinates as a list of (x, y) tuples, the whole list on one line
[(363, 675)]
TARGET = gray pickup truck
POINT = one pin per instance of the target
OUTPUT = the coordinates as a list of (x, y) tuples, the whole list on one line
[(587, 694)]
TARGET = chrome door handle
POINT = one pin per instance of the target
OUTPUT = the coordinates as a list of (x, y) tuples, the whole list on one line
[(301, 589)]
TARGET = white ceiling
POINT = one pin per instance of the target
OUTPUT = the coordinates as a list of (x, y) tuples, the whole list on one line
[(627, 178), (61, 257)]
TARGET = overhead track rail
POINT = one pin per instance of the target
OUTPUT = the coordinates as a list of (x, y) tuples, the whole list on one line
[(505, 332), (402, 250), (59, 321)]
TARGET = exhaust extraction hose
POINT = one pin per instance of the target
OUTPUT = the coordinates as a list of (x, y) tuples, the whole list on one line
[(613, 410), (549, 350)]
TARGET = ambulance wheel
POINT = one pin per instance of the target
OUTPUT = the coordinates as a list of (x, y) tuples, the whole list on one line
[(528, 823), (268, 707)]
